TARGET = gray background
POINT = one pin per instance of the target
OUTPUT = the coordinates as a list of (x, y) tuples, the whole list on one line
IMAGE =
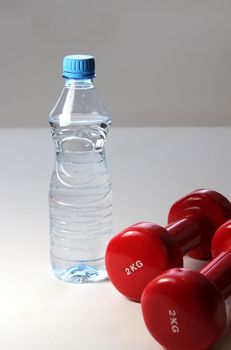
[(158, 62)]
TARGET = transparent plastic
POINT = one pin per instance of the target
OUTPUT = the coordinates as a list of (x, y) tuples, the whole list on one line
[(80, 197)]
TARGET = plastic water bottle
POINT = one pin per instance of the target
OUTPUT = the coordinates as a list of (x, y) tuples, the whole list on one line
[(80, 197)]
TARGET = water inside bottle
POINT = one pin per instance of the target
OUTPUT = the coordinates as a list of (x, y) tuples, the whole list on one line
[(80, 200)]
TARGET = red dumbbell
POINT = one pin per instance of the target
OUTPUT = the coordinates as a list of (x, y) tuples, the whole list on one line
[(142, 251), (222, 239), (185, 309)]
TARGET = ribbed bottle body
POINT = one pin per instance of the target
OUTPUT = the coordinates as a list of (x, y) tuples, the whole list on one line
[(80, 200)]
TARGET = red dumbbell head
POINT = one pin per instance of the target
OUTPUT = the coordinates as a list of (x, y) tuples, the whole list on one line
[(210, 208), (137, 255), (222, 239), (183, 310)]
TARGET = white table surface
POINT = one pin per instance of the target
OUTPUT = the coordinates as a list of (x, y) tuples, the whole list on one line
[(150, 168)]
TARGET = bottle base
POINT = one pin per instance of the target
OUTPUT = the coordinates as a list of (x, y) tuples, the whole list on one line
[(85, 272)]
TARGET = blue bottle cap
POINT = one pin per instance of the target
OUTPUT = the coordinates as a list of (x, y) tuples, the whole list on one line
[(79, 67)]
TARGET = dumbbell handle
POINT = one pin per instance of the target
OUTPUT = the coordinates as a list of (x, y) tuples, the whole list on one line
[(185, 233), (218, 271)]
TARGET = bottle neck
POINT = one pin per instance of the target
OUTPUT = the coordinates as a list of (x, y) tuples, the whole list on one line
[(79, 83)]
